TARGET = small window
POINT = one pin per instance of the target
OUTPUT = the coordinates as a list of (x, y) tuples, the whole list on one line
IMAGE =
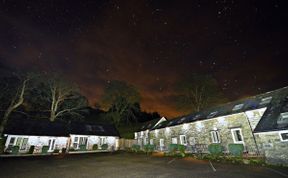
[(24, 144), (283, 136), (102, 140), (183, 140), (215, 137), (161, 142), (212, 114), (83, 141), (237, 107), (145, 140), (266, 100), (192, 141), (142, 133), (174, 140), (19, 140), (75, 139), (283, 118), (12, 140), (151, 141), (237, 135)]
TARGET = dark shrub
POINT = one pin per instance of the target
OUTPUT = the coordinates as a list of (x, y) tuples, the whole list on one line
[(31, 149), (104, 146), (95, 147), (82, 147), (181, 149), (236, 149), (71, 149), (56, 151), (45, 149), (2, 145), (135, 148), (63, 150), (149, 148), (15, 149), (215, 149)]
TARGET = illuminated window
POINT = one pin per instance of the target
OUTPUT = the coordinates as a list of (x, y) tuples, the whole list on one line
[(215, 136), (24, 144), (135, 135), (183, 140), (237, 135), (283, 118)]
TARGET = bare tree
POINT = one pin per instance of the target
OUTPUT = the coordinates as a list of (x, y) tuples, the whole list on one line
[(198, 92), (58, 96), (16, 100)]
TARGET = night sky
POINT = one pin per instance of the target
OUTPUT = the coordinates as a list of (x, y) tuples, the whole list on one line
[(149, 44)]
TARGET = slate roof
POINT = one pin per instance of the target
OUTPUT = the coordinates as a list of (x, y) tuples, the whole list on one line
[(83, 128), (23, 126), (38, 127), (275, 101), (149, 124)]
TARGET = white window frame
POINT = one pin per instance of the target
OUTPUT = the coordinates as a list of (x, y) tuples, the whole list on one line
[(183, 139), (102, 141), (215, 136), (174, 140), (233, 132), (281, 138), (151, 141), (161, 142), (135, 135)]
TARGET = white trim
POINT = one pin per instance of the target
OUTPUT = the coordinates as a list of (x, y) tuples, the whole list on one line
[(215, 136), (270, 132), (183, 141), (233, 136), (281, 136)]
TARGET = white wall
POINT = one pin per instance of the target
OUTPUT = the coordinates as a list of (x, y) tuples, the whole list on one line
[(39, 142)]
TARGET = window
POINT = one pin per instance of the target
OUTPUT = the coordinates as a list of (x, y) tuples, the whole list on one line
[(83, 140), (183, 140), (174, 140), (212, 114), (145, 141), (12, 140), (237, 107), (24, 144), (75, 142), (266, 100), (151, 141), (102, 140), (192, 141), (215, 136), (237, 135), (18, 142), (142, 133), (283, 118), (161, 142), (283, 136)]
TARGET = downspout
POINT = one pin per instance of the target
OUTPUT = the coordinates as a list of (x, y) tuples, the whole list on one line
[(258, 152)]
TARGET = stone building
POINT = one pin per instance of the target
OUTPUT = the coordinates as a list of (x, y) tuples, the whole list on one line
[(260, 123)]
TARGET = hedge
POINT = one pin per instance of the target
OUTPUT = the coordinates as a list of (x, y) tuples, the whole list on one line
[(82, 147), (45, 149), (104, 146), (31, 149), (135, 148), (236, 149), (95, 147), (15, 149), (215, 148), (173, 148)]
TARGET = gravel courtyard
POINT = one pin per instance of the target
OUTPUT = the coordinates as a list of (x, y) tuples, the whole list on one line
[(125, 165)]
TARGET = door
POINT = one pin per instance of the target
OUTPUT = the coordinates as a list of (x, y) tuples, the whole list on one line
[(51, 144)]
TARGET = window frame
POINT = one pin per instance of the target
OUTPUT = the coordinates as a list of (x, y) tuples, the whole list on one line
[(234, 130), (183, 141), (161, 142), (215, 133), (281, 138)]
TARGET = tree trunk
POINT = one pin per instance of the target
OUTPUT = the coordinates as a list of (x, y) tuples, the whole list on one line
[(5, 119)]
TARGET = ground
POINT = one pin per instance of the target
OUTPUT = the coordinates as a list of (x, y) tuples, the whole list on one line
[(126, 165)]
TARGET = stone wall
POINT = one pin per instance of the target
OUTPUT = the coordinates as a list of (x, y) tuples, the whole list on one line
[(275, 150), (200, 132)]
